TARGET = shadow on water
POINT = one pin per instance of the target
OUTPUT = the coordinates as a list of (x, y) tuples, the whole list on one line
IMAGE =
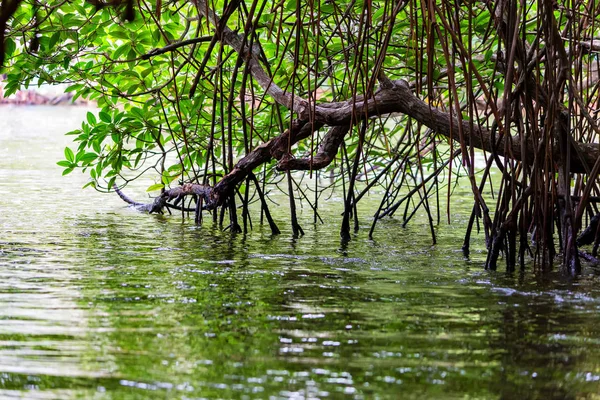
[(98, 301)]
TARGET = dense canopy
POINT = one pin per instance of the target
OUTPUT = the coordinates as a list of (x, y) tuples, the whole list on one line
[(388, 96)]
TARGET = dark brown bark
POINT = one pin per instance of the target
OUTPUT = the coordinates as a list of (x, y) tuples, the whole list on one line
[(7, 9), (327, 151), (395, 98)]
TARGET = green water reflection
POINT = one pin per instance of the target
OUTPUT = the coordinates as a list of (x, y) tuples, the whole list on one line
[(98, 301)]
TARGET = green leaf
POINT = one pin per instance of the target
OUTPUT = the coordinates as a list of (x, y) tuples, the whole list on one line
[(65, 164), (146, 72), (67, 171), (175, 168), (156, 35), (91, 119), (54, 39), (105, 117), (131, 57), (9, 47), (73, 88), (291, 5), (154, 187), (140, 49), (69, 155), (96, 146), (121, 50), (119, 34), (11, 88), (137, 160)]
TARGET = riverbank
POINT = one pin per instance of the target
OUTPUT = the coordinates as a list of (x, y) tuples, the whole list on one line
[(44, 95)]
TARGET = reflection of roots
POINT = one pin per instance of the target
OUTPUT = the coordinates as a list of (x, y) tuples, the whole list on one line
[(591, 234)]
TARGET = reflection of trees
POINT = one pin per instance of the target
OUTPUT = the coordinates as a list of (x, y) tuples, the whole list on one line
[(542, 349), (203, 307), (211, 308)]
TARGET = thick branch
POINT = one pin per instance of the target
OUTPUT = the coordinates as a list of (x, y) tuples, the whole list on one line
[(157, 206), (590, 46), (399, 98), (7, 9), (393, 98), (327, 152), (214, 197), (277, 148)]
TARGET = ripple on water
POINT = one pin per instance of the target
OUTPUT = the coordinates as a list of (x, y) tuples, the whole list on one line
[(97, 300)]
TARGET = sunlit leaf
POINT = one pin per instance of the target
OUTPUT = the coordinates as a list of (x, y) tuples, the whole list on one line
[(155, 187), (91, 118), (104, 117), (69, 155)]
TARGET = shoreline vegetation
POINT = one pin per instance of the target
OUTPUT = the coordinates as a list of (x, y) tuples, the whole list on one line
[(44, 95), (220, 103)]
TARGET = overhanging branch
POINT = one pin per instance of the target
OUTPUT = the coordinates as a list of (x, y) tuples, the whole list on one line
[(392, 98), (327, 151)]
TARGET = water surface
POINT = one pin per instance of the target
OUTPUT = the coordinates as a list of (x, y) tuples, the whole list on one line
[(99, 301)]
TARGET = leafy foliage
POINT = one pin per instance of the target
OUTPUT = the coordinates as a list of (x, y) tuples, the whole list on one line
[(150, 120)]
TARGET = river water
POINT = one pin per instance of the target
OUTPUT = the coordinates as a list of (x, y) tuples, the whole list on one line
[(100, 301)]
